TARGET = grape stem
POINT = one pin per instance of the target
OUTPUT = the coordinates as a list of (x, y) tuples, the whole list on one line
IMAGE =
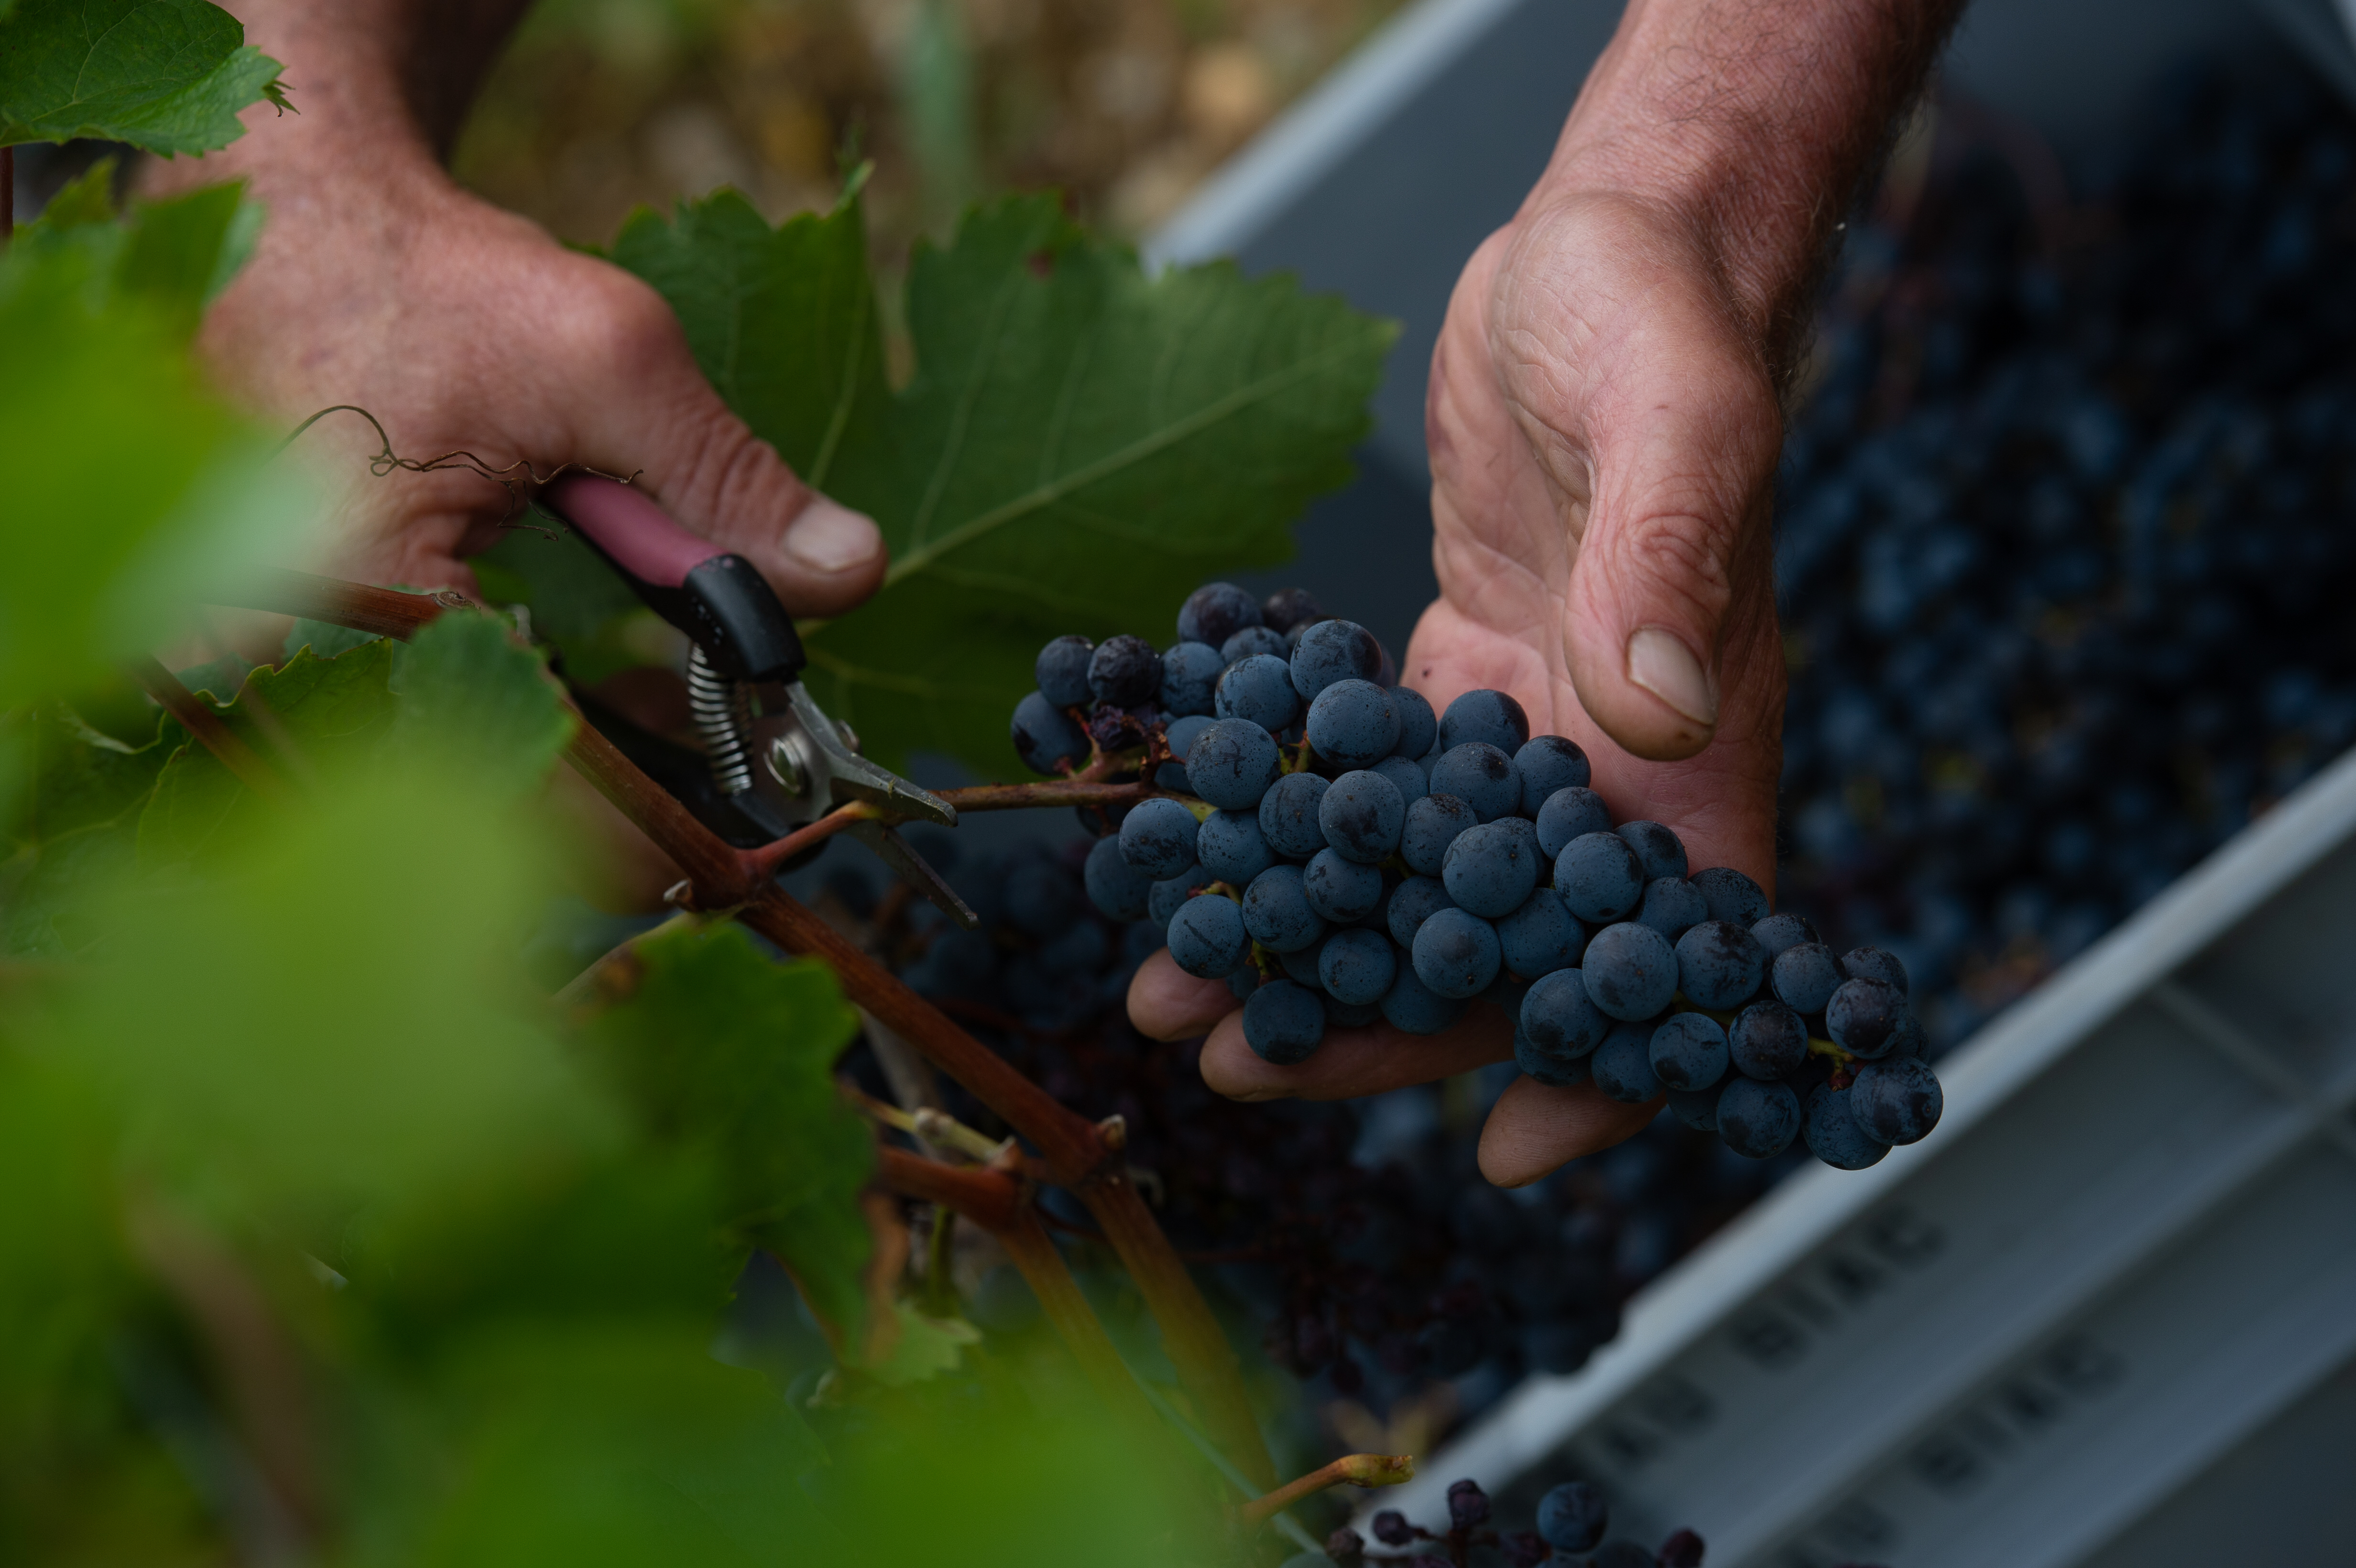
[(1355, 1469)]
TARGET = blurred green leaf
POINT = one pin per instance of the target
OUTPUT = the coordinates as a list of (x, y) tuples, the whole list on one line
[(169, 76), (578, 602), (481, 701), (174, 254), (69, 820)]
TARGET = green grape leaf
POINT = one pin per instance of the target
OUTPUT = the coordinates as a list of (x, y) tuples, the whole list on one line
[(481, 701), (721, 1049), (174, 255), (578, 602), (1079, 444), (70, 809), (169, 76)]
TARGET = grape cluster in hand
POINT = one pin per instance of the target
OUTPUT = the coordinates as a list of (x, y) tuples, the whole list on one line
[(1571, 1520), (1340, 854)]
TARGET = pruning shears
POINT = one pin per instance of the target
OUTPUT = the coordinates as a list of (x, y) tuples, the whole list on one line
[(773, 760)]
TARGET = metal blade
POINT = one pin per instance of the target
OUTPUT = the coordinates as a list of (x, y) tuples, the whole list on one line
[(895, 852), (852, 777)]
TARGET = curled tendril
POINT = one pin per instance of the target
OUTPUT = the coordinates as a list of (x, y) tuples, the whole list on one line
[(519, 479)]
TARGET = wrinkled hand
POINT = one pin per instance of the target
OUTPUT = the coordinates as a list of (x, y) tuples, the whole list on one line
[(1603, 432)]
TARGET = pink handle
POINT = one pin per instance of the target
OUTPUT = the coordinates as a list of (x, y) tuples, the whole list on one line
[(626, 524)]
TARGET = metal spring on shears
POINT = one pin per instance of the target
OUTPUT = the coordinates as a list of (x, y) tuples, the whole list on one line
[(718, 704)]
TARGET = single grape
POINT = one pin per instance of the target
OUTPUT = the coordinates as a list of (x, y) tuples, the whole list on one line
[(1361, 815), (1550, 1067), (1573, 1517), (1631, 971), (1171, 891), (1062, 671), (1468, 1505), (1720, 966), (1599, 877), (1207, 938), (1288, 815), (1413, 1007), (1277, 912), (1567, 814), (1431, 826), (1358, 967), (1490, 868), (1757, 1120), (1340, 1013), (1548, 763), (1190, 677), (1672, 906), (1684, 1549), (1045, 737), (1232, 764), (1179, 735), (1778, 931), (1158, 838), (1353, 723), (1418, 726), (1331, 651), (1490, 717), (1232, 848), (1391, 1528), (1255, 641), (1909, 1039), (1284, 1022), (1125, 671), (1344, 892), (1114, 885), (1863, 1016), (1456, 953), (1406, 775), (1688, 1052), (1622, 1064), (1541, 937), (1216, 612), (1657, 846), (1416, 900), (1833, 1134), (1258, 688), (1767, 1041), (1244, 982), (1898, 1100), (1560, 1017), (1480, 775), (1731, 896), (1805, 975), (1696, 1108), (1301, 966), (1289, 607), (1875, 964)]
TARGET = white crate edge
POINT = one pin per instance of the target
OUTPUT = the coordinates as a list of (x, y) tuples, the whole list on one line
[(1979, 1076)]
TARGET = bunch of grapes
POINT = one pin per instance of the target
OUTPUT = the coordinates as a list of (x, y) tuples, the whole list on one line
[(1572, 1519), (1338, 853)]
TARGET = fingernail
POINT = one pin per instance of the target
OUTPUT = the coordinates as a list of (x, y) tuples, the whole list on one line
[(1660, 662), (830, 536)]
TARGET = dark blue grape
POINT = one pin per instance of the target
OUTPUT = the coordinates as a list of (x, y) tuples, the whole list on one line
[(1541, 937), (1568, 813), (1599, 878), (1362, 817), (1875, 964), (1331, 651), (1232, 764), (1260, 689), (1416, 900), (1720, 966), (1344, 892), (1407, 777), (1045, 737), (1351, 722), (1909, 1039), (1190, 675), (1358, 967), (1622, 1064), (1490, 718), (1254, 641), (1040, 898), (1573, 1517), (1768, 1040), (1288, 815), (1277, 912), (1432, 825), (1158, 836), (1661, 852), (1244, 982), (1631, 971), (1561, 1017), (1418, 726), (1062, 672), (1757, 1120), (1207, 938), (1778, 931), (1863, 1016), (1550, 1067), (1468, 1506), (1672, 906), (1413, 1007), (1805, 976), (1284, 1022), (1480, 775), (1896, 1101), (1114, 885), (1731, 896), (1340, 1013), (1456, 954), (1832, 1132), (1301, 966), (1490, 868), (1216, 612), (1689, 1053), (1289, 607), (1232, 848), (1125, 671), (1548, 763), (1171, 891), (1180, 735)]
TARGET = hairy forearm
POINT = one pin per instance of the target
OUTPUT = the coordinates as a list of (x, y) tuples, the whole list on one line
[(1757, 120)]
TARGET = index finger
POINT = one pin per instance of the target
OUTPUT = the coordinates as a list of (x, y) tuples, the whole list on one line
[(1354, 1061)]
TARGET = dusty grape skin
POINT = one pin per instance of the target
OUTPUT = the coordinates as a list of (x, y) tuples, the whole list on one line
[(1757, 1119), (1548, 763), (1190, 678), (1480, 775), (1491, 870), (1804, 975), (1688, 1052), (1277, 912), (1599, 878), (1631, 971), (1284, 1022), (1570, 813), (1898, 1100), (1456, 954), (1207, 938), (1331, 651), (1672, 906), (1358, 967), (1216, 612), (1045, 737), (1062, 671), (1233, 849), (1362, 817), (1288, 815), (1657, 846), (1542, 937), (1431, 826), (1158, 838), (1114, 885), (1490, 718), (1353, 722), (1833, 1135), (1418, 726), (1260, 689), (1232, 764), (1124, 671), (1559, 1015)]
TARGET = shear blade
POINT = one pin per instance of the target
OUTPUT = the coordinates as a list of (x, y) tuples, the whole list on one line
[(850, 776), (895, 852)]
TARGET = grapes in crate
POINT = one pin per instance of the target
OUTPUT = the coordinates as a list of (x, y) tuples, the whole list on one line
[(1341, 856)]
